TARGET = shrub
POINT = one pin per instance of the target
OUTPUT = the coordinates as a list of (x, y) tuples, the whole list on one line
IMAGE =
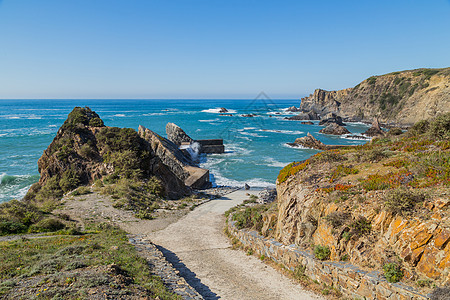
[(419, 128), (299, 272), (395, 131), (401, 200), (82, 190), (322, 252), (50, 191), (371, 80), (250, 217), (47, 225), (70, 179), (96, 122), (360, 226), (392, 272), (10, 227), (439, 128), (86, 151), (337, 218)]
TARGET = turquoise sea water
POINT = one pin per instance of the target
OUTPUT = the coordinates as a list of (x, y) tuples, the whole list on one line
[(256, 147)]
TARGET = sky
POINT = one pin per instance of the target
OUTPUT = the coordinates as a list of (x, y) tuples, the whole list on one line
[(175, 49)]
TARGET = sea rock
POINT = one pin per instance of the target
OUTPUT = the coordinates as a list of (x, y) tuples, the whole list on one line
[(331, 118), (246, 186), (223, 110), (304, 116), (309, 141), (375, 130), (177, 135), (226, 115), (293, 109), (307, 123), (177, 162), (334, 129), (248, 115)]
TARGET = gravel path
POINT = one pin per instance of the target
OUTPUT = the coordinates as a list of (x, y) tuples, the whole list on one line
[(199, 250)]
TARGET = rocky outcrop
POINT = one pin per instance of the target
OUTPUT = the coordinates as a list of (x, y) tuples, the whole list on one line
[(175, 160), (374, 130), (311, 142), (177, 135), (304, 116), (293, 109), (334, 129), (331, 118), (399, 98)]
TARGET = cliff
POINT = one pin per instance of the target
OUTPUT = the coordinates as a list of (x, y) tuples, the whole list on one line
[(400, 97), (85, 150), (386, 202)]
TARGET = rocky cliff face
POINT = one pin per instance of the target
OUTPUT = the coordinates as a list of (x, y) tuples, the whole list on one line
[(400, 97), (383, 202), (85, 150)]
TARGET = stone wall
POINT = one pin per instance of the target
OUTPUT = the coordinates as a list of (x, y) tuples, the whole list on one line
[(348, 278)]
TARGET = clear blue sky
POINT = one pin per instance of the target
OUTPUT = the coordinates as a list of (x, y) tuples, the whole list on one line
[(212, 48)]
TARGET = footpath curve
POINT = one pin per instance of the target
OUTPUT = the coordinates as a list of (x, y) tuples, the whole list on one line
[(199, 250)]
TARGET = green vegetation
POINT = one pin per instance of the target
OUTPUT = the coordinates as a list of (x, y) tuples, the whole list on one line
[(360, 226), (372, 80), (142, 197), (322, 252), (82, 190), (250, 217), (427, 73), (337, 218), (392, 272), (57, 257), (402, 201)]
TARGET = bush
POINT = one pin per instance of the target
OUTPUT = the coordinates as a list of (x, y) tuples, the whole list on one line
[(82, 190), (10, 227), (50, 191), (47, 225), (86, 151), (419, 128), (395, 131), (392, 272), (322, 252), (439, 128), (400, 201), (250, 217), (96, 122), (337, 218), (360, 227), (70, 180)]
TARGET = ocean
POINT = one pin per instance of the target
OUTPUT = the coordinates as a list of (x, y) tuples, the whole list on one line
[(255, 147)]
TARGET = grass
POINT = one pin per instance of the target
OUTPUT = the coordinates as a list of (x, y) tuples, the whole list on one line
[(250, 217), (392, 272), (103, 245), (322, 252)]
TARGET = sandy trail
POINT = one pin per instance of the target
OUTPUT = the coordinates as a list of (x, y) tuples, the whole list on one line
[(198, 248)]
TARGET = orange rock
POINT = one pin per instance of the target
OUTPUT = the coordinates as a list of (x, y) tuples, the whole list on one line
[(416, 255), (427, 264), (442, 238), (420, 239)]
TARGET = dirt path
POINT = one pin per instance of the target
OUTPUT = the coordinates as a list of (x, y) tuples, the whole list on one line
[(194, 242), (197, 247)]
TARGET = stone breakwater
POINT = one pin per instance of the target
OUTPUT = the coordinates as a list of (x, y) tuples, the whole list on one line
[(348, 278), (162, 268)]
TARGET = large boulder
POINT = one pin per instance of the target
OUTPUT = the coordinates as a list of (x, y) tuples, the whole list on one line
[(177, 162), (293, 109), (309, 141), (331, 118), (375, 130), (304, 116), (334, 129), (177, 135)]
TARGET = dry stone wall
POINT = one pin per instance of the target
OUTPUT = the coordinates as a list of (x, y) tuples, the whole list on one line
[(348, 278)]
